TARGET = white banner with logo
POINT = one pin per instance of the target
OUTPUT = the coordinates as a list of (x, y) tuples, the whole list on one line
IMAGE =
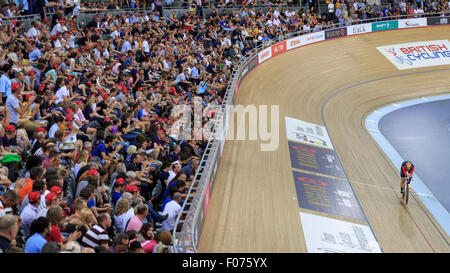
[(417, 54), (359, 29), (415, 22), (308, 133), (312, 38), (327, 235), (265, 55), (293, 43)]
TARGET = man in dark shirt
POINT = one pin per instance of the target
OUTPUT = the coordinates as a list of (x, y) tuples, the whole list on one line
[(211, 68), (9, 226), (190, 169), (9, 139), (134, 164)]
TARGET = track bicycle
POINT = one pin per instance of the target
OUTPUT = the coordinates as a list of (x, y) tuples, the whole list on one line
[(406, 190)]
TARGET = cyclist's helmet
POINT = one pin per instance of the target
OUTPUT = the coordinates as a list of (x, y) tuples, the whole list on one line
[(408, 165)]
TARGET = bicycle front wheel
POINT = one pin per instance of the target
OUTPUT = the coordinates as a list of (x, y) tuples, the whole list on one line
[(406, 193)]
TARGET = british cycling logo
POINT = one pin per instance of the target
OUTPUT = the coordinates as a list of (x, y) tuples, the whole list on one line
[(398, 59), (392, 51)]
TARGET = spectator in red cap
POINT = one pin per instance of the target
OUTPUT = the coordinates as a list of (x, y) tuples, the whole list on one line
[(134, 190), (93, 172), (41, 129), (69, 111), (16, 109), (69, 122), (118, 189), (30, 212), (56, 190), (10, 138), (30, 80), (10, 128), (51, 199)]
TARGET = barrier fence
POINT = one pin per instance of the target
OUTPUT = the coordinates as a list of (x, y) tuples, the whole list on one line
[(194, 211)]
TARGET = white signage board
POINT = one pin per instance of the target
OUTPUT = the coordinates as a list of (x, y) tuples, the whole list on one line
[(359, 29), (308, 133), (312, 38), (265, 55), (417, 54), (327, 235), (413, 22), (293, 43)]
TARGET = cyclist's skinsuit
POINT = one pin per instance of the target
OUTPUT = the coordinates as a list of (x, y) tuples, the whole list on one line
[(403, 169)]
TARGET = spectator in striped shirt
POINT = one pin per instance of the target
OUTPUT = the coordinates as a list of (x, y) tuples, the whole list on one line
[(97, 235)]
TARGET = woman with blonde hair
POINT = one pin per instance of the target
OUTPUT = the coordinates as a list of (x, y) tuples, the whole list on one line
[(81, 162), (87, 218), (122, 214)]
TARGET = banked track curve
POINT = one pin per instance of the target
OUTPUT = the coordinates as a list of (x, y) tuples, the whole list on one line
[(336, 84)]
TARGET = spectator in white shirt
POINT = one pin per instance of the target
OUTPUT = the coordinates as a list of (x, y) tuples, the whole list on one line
[(276, 21), (56, 29), (331, 7), (173, 209), (33, 31), (127, 45)]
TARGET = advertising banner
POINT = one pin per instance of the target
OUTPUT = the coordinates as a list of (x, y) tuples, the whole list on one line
[(252, 63), (278, 48), (308, 133), (415, 22), (384, 25), (438, 21), (327, 235), (265, 55), (315, 159), (359, 29), (207, 198), (312, 38), (293, 43), (323, 194), (335, 33), (417, 54)]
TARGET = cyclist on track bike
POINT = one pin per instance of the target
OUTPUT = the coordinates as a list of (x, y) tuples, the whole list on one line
[(406, 170)]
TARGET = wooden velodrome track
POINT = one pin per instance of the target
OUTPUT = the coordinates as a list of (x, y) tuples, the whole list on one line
[(254, 204)]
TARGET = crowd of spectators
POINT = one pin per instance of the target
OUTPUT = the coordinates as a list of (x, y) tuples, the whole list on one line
[(353, 11), (96, 150)]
